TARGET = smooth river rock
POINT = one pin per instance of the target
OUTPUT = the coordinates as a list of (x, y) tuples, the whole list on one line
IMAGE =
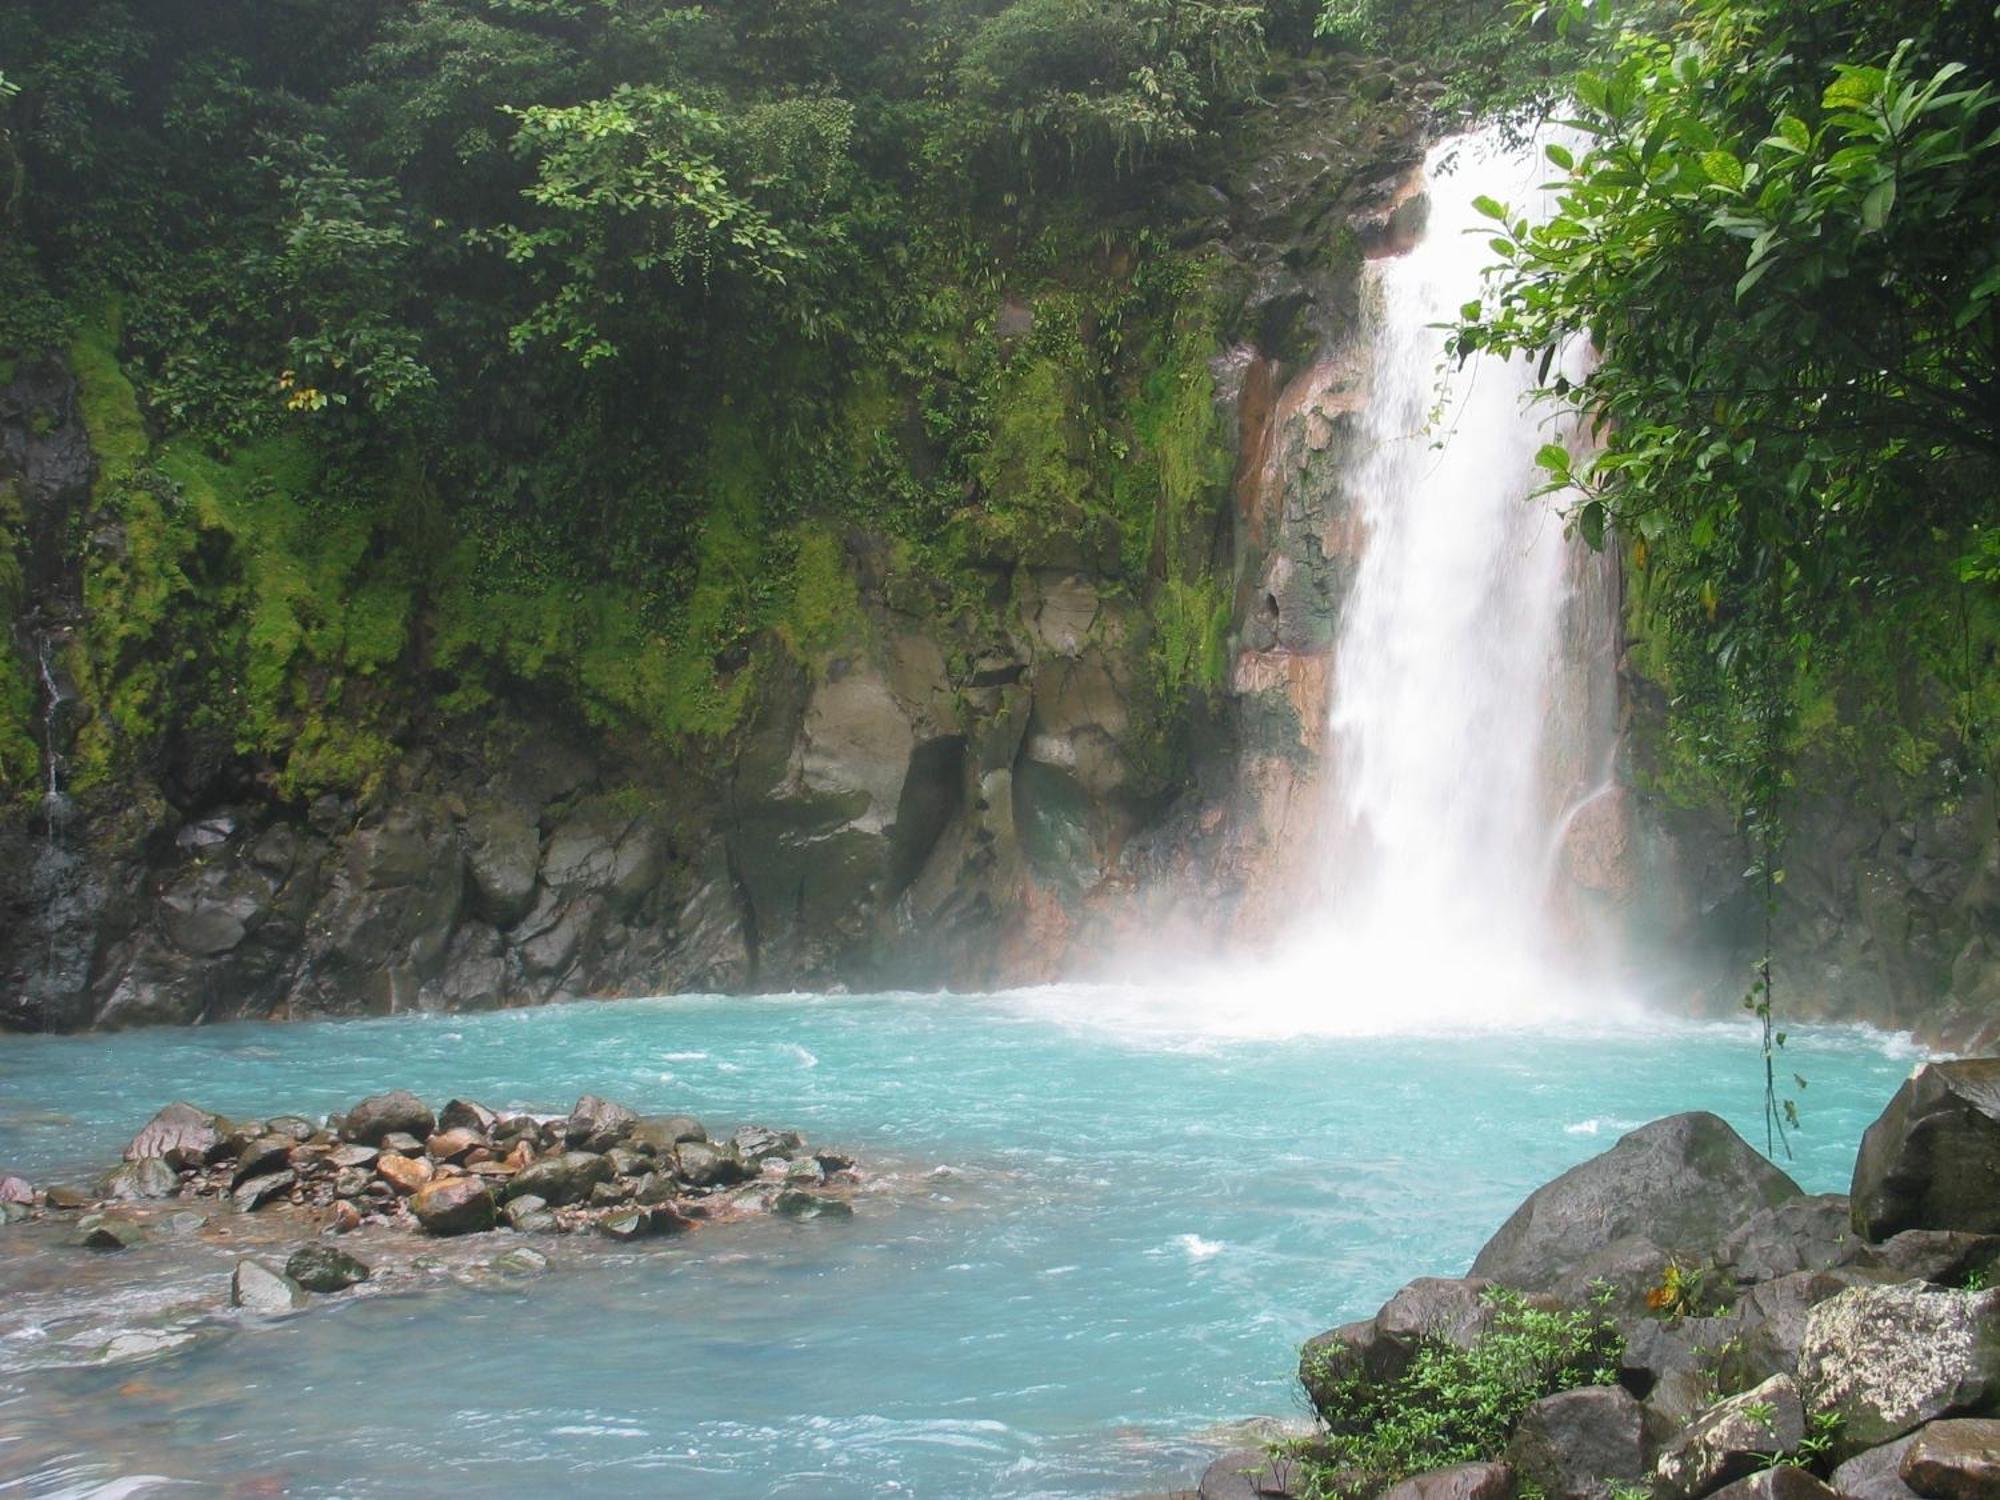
[(261, 1288), (1572, 1445), (180, 1135), (1958, 1460), (455, 1205), (321, 1268), (396, 1112), (1731, 1440)]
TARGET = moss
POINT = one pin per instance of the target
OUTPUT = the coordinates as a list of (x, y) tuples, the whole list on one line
[(1191, 639), (1033, 476), (825, 610), (109, 406), (20, 748)]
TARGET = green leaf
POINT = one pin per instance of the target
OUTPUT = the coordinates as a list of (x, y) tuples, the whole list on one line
[(1554, 457), (1561, 156), (1723, 169), (1590, 525), (1855, 88), (1492, 208), (1876, 206)]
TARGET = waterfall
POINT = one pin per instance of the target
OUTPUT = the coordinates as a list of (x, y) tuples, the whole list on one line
[(1459, 739)]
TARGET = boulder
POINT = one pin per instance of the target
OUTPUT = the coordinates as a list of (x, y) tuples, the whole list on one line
[(351, 1182), (406, 1174), (1813, 1233), (402, 1143), (451, 1145), (463, 1114), (353, 1156), (1655, 1349), (1890, 1358), (149, 1177), (1946, 1256), (398, 1111), (1465, 1482), (180, 1135), (1684, 1183), (1251, 1474), (760, 1142), (1574, 1444), (1876, 1474), (598, 1124), (1452, 1310), (1958, 1460), (105, 1232), (1730, 1440), (1932, 1161), (16, 1190), (704, 1166), (456, 1205), (567, 1178), (1770, 1321), (1782, 1483), (528, 1206), (321, 1268), (503, 849), (258, 1191), (64, 1199), (261, 1288), (634, 1224), (661, 1133), (267, 1153)]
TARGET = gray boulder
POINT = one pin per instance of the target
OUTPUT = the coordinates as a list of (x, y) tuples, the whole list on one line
[(794, 1204), (661, 1133), (463, 1114), (397, 1112), (321, 1268), (704, 1165), (267, 1153), (1732, 1439), (1932, 1161), (1574, 1444), (1957, 1460), (16, 1190), (1783, 1483), (1813, 1233), (254, 1194), (1946, 1256), (561, 1179), (1876, 1474), (1378, 1350), (149, 1177), (1684, 1183), (1251, 1474), (1890, 1358), (1465, 1482), (598, 1124), (180, 1135), (261, 1288), (108, 1232)]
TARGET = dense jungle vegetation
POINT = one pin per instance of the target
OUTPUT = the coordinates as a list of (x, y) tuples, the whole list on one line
[(552, 344)]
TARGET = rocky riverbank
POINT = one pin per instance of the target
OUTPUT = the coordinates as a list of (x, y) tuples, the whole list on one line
[(1677, 1319), (393, 1164)]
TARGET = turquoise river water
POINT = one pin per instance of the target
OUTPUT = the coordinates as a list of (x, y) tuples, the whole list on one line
[(1083, 1248)]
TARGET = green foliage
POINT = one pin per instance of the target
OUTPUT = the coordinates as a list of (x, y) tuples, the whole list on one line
[(20, 750), (1453, 1405)]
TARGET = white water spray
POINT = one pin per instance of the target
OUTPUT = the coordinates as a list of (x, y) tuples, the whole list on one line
[(1470, 706)]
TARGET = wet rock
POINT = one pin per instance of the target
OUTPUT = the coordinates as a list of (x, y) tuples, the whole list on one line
[(463, 1114), (1876, 1474), (1730, 1440), (1813, 1233), (604, 1194), (567, 1178), (634, 1225), (346, 1217), (522, 1260), (262, 1288), (1684, 1183), (503, 849), (1957, 1460), (794, 1204), (104, 1232), (64, 1199), (180, 1135), (16, 1190), (704, 1165), (655, 1187), (150, 1177), (321, 1268), (458, 1205), (1655, 1349), (351, 1182), (453, 1145), (397, 1112), (598, 1124), (759, 1142), (15, 1213), (1573, 1444), (1452, 1310), (254, 1194), (667, 1219), (661, 1133), (527, 1206), (353, 1156), (296, 1127), (1933, 1158), (404, 1173), (1251, 1474), (402, 1144), (1770, 1323), (1465, 1482), (265, 1154), (1890, 1358)]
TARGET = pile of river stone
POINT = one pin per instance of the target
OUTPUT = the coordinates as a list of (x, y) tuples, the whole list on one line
[(1849, 1346), (462, 1170)]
